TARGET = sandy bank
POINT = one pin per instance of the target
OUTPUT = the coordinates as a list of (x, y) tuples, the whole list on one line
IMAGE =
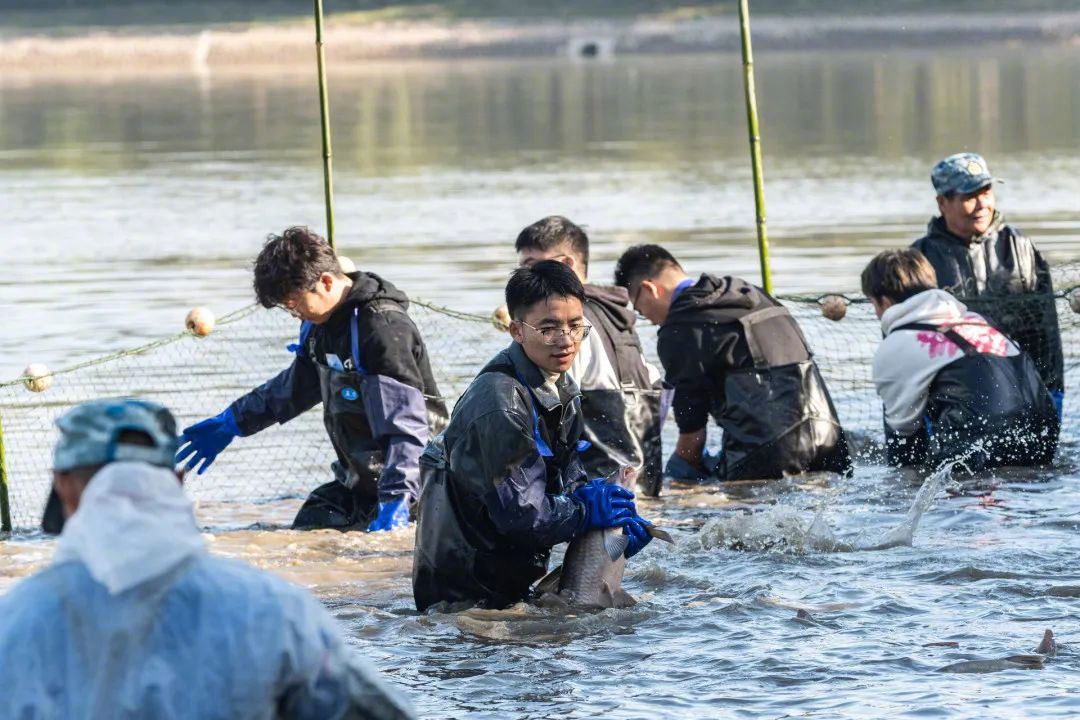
[(285, 44)]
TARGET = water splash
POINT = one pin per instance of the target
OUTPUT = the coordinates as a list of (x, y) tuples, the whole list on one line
[(904, 534), (783, 528)]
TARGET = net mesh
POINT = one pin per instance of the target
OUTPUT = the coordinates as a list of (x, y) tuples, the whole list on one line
[(198, 376)]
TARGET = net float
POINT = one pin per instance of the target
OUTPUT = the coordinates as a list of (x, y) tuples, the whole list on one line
[(200, 321), (834, 307), (38, 377)]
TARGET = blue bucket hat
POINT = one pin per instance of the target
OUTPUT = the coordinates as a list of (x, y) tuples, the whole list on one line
[(961, 173), (89, 434)]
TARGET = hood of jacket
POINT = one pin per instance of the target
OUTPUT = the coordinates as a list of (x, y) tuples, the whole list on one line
[(932, 307), (368, 287), (719, 296), (937, 229), (614, 302), (134, 525)]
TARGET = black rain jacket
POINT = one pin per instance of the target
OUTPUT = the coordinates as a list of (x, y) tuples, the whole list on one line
[(732, 350), (380, 401), (987, 410), (495, 497), (1001, 276)]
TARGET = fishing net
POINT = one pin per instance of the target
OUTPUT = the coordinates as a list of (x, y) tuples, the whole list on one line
[(199, 376)]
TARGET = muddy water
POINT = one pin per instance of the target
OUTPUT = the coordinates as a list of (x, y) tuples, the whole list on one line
[(127, 201)]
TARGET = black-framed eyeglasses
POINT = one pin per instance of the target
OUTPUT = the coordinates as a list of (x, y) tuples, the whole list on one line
[(551, 335), (290, 306)]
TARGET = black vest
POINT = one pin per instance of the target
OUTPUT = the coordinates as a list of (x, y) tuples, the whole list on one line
[(980, 400), (776, 413)]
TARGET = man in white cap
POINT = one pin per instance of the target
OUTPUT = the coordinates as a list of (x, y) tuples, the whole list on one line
[(991, 266), (135, 619)]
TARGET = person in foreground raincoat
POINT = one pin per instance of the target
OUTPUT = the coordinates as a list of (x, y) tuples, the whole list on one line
[(361, 356), (732, 350), (622, 396), (953, 385), (992, 266), (504, 483), (135, 619)]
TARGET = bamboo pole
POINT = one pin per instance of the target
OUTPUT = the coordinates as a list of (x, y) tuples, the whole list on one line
[(755, 145), (324, 112), (5, 504)]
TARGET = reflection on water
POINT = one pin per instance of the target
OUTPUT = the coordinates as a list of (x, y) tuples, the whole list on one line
[(129, 200)]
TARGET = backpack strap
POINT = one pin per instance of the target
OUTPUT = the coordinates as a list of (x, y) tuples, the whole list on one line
[(950, 332)]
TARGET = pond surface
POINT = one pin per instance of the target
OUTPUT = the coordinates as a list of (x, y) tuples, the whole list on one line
[(127, 201)]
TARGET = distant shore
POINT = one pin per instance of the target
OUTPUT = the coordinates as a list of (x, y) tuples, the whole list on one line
[(290, 43)]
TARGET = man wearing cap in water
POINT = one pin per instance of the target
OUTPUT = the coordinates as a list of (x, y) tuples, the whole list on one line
[(134, 618), (992, 266)]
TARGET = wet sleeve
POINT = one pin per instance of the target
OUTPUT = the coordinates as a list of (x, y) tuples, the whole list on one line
[(392, 391), (294, 391), (499, 457), (323, 678), (682, 358)]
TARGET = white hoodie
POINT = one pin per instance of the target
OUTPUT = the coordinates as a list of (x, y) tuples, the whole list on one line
[(907, 361)]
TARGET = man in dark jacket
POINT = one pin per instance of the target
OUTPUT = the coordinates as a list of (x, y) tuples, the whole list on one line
[(620, 391), (733, 351), (361, 356), (503, 483), (993, 267)]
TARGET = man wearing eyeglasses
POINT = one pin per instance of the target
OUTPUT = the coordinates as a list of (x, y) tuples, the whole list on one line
[(503, 483), (362, 357), (733, 351), (620, 392)]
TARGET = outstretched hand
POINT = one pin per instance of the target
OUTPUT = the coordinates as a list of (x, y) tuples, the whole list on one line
[(201, 442)]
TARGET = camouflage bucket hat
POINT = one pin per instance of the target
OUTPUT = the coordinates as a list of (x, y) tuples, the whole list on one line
[(961, 173), (89, 434)]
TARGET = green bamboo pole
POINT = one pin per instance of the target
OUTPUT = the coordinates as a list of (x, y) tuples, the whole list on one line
[(755, 145), (5, 504), (324, 111)]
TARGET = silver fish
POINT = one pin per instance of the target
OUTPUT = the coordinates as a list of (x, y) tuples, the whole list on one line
[(1013, 662), (1047, 648), (592, 570)]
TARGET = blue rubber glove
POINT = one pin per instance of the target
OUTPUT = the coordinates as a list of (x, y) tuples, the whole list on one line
[(638, 535), (679, 469), (392, 515), (202, 442), (297, 348), (606, 504)]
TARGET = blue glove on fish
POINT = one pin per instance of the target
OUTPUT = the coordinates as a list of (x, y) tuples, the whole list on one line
[(638, 535), (606, 505), (204, 440), (392, 515), (679, 469)]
